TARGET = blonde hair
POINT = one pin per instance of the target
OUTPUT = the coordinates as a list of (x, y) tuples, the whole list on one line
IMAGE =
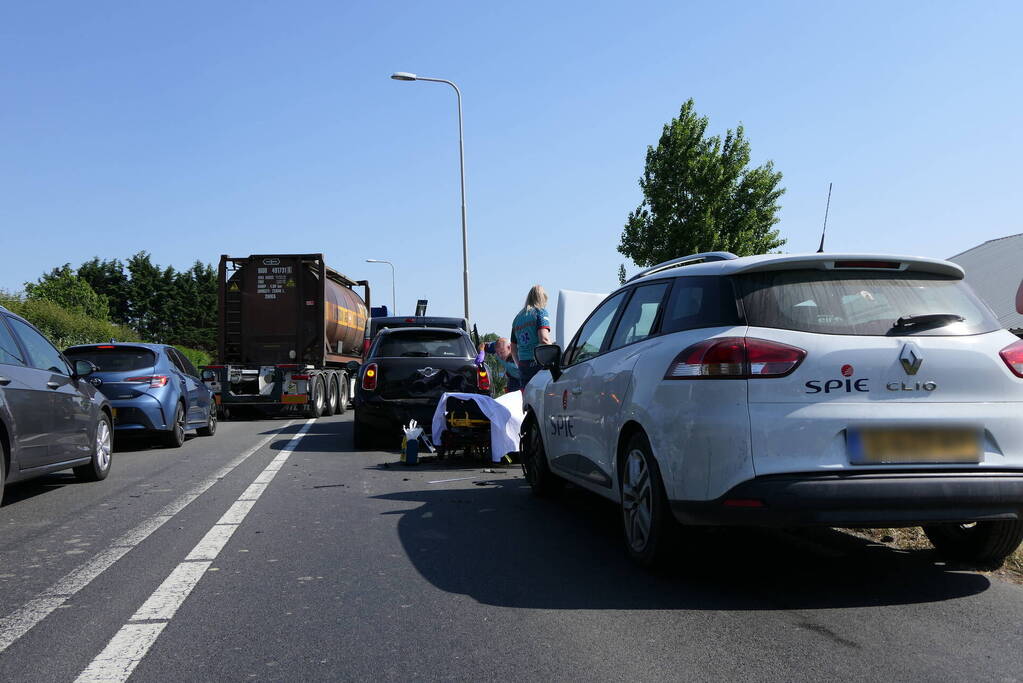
[(537, 298)]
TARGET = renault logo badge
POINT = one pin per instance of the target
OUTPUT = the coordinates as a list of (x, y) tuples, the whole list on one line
[(910, 359)]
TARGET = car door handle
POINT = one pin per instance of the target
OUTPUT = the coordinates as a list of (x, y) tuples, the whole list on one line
[(4, 381), (53, 385), (576, 391)]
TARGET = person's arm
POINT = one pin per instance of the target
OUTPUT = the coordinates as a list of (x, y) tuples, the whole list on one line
[(543, 326), (515, 353)]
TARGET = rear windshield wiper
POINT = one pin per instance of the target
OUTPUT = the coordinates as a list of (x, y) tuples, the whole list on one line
[(928, 319)]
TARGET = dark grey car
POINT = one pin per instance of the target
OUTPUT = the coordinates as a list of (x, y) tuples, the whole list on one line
[(51, 417)]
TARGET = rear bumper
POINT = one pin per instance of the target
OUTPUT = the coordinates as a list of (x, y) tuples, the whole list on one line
[(140, 414), (391, 414), (862, 499)]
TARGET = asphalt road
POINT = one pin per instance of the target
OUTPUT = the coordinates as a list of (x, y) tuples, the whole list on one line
[(259, 554)]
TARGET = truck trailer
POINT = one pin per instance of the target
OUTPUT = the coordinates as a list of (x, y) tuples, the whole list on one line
[(290, 336)]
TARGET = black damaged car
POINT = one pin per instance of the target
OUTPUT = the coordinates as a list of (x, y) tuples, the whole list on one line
[(404, 375)]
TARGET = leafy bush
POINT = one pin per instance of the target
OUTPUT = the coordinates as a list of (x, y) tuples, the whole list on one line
[(63, 327), (197, 356)]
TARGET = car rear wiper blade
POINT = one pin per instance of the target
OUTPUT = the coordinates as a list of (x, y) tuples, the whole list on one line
[(928, 319)]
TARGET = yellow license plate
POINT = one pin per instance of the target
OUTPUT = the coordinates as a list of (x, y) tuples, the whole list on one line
[(297, 398), (913, 445)]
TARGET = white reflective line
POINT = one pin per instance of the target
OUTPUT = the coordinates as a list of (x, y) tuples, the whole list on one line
[(253, 492), (212, 543), (236, 513), (131, 643), (166, 599), (18, 623), (122, 654), (444, 481)]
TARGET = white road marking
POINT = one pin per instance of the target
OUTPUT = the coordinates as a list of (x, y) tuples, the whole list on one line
[(445, 481), (20, 622), (127, 648)]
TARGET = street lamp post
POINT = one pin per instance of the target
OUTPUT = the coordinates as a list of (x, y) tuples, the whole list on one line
[(394, 306), (405, 76)]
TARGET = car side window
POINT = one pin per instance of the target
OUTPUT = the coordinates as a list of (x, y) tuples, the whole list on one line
[(10, 354), (698, 301), (184, 364), (637, 321), (590, 339), (41, 353), (173, 356)]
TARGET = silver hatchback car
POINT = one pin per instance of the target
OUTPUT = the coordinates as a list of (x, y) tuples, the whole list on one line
[(51, 417)]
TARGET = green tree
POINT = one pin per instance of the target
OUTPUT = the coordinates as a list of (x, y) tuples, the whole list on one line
[(64, 288), (699, 195), (621, 273), (497, 374), (108, 279)]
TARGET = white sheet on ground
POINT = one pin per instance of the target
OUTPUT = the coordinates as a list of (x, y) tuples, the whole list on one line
[(504, 413)]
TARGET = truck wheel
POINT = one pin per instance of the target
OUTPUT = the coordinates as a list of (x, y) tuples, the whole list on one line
[(316, 405), (985, 544), (342, 395), (330, 399)]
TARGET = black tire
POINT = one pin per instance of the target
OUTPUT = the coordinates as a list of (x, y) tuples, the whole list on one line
[(342, 396), (360, 435), (102, 453), (330, 402), (985, 544), (3, 471), (537, 471), (176, 436), (211, 424), (648, 525), (316, 402)]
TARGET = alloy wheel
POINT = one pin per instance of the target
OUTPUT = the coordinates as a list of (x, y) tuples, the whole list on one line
[(103, 445), (637, 500)]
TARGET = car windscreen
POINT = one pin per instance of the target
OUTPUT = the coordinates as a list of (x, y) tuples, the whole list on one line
[(865, 303), (117, 359), (422, 344)]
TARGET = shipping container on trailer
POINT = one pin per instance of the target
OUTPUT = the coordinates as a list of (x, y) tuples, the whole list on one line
[(290, 335)]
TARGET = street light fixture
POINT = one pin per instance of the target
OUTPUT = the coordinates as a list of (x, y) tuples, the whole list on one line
[(394, 307), (405, 76)]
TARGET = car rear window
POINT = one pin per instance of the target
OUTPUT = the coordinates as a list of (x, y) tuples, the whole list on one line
[(422, 344), (862, 303), (118, 359)]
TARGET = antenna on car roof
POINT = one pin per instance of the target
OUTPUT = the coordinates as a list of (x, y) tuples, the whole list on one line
[(820, 249)]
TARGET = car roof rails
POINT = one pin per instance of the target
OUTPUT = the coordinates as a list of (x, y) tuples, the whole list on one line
[(705, 257)]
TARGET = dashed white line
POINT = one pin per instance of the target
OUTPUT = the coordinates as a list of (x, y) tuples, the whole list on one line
[(20, 622), (129, 646)]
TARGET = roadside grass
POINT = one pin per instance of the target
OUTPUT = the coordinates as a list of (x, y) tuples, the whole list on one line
[(913, 538)]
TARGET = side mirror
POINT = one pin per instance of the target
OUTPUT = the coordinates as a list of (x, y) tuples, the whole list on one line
[(548, 357), (352, 367), (207, 375), (84, 368)]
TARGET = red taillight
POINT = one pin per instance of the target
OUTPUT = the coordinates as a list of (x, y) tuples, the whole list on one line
[(735, 358), (483, 379), (1013, 357), (106, 346), (369, 378), (365, 346), (154, 381)]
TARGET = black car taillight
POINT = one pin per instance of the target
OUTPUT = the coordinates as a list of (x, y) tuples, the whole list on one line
[(369, 377), (735, 358)]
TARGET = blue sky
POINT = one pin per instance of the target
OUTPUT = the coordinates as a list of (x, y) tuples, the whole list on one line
[(197, 129)]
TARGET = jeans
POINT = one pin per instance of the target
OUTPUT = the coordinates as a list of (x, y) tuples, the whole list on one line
[(527, 370)]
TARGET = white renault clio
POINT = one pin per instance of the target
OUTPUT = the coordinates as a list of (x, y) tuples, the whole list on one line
[(840, 390)]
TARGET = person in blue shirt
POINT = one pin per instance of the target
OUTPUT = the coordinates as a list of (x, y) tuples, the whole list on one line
[(502, 350), (531, 327)]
